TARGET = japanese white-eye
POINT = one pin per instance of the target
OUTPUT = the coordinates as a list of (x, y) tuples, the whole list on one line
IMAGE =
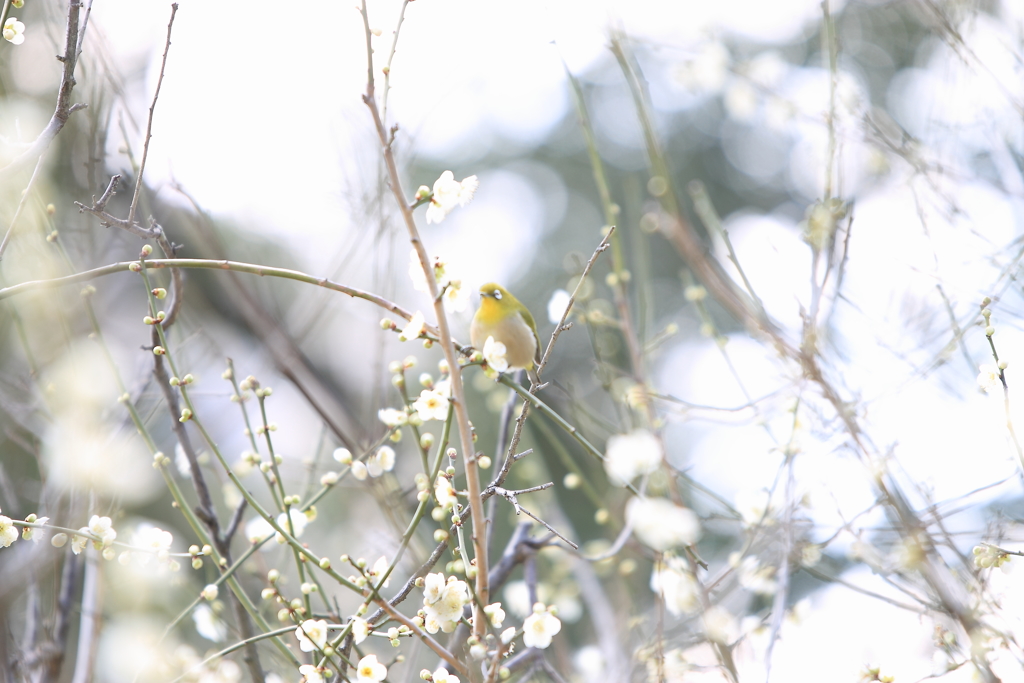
[(509, 322)]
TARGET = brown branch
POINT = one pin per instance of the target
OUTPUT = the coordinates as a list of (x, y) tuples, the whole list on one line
[(64, 108), (451, 352)]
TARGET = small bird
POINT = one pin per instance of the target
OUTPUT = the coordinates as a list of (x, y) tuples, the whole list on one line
[(502, 316)]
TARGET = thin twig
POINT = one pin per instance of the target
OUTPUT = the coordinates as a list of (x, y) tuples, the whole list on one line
[(149, 122), (512, 497), (21, 205)]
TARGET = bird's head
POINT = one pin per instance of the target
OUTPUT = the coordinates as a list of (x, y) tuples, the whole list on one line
[(493, 291)]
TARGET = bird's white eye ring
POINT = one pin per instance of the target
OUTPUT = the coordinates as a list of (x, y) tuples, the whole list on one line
[(497, 294)]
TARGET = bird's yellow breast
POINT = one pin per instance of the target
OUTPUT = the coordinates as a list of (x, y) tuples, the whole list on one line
[(509, 329)]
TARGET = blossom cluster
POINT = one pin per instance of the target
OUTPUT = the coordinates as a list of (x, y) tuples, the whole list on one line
[(443, 601)]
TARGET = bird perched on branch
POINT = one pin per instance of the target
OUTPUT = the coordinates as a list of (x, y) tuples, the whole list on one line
[(502, 318)]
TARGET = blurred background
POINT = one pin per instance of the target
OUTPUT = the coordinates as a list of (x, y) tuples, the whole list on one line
[(909, 112)]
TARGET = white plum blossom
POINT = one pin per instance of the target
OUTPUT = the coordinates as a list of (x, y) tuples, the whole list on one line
[(628, 456), (154, 539), (757, 578), (661, 524), (432, 404), (557, 304), (988, 378), (540, 627), (392, 417), (414, 329), (380, 462), (720, 625), (456, 297), (299, 522), (32, 533), (79, 541), (343, 456), (359, 470), (258, 529), (443, 602), (360, 630), (495, 614), (8, 532), (673, 581), (369, 670), (101, 526), (444, 492), (986, 556), (494, 354), (311, 674), (312, 635), (378, 569), (448, 193), (755, 507), (442, 676), (14, 32)]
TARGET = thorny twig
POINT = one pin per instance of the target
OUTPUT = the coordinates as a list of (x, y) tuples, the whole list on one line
[(511, 496)]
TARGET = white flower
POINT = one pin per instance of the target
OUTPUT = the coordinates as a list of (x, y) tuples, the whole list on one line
[(360, 630), (312, 635), (448, 194), (380, 462), (310, 674), (79, 541), (494, 354), (539, 627), (14, 31), (557, 304), (101, 526), (432, 404), (988, 378), (756, 578), (414, 329), (661, 524), (444, 492), (456, 298), (154, 539), (8, 532), (359, 470), (442, 676), (299, 521), (29, 533), (508, 634), (258, 529), (755, 507), (443, 602), (419, 279), (392, 417), (720, 625), (378, 569), (208, 625), (495, 614), (986, 556), (629, 455), (676, 585), (343, 455), (369, 670)]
